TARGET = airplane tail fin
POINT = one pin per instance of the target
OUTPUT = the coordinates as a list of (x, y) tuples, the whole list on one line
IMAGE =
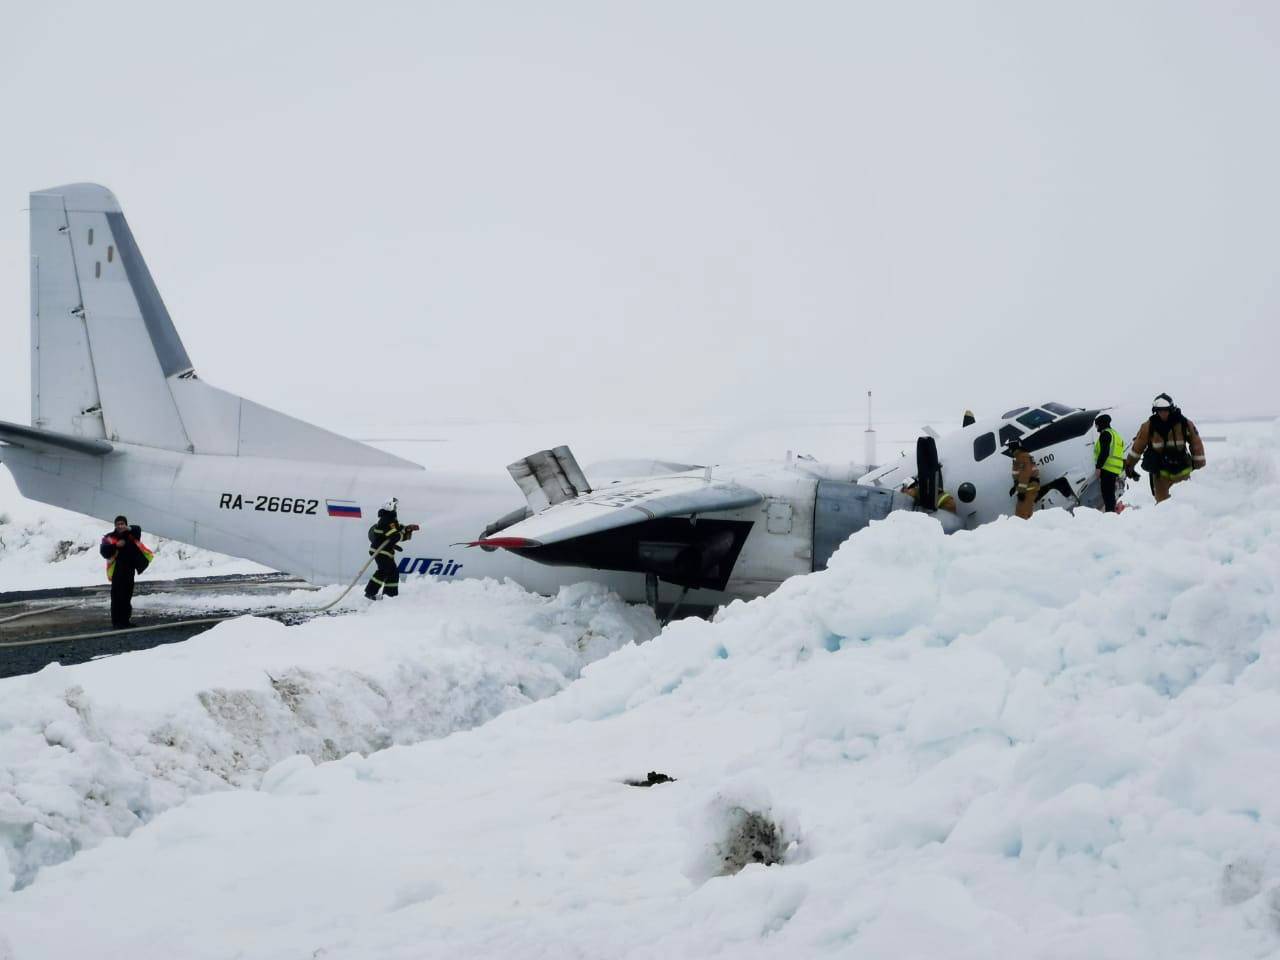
[(106, 359)]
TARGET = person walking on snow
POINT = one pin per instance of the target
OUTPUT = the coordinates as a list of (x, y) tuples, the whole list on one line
[(1108, 460), (1169, 446), (126, 556), (385, 538)]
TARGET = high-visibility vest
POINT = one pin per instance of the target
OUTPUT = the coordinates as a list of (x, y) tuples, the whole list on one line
[(1115, 456), (142, 548)]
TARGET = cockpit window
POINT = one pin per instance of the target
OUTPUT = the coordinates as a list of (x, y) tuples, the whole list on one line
[(1009, 432), (1013, 413), (1035, 418), (1066, 428), (1060, 409), (984, 446)]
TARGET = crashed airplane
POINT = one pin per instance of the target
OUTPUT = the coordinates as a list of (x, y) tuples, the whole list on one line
[(122, 423)]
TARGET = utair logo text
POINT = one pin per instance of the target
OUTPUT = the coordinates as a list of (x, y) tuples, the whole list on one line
[(431, 566)]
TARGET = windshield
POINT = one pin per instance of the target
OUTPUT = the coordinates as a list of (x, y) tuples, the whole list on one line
[(1035, 418)]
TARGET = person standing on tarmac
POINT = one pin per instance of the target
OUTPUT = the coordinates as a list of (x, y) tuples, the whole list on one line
[(385, 538), (1026, 480), (126, 556), (1169, 446), (1108, 460)]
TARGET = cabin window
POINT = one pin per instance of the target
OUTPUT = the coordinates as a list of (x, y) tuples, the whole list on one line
[(97, 269), (111, 252), (984, 446), (91, 236), (1009, 433), (1060, 409), (1013, 413), (1035, 418)]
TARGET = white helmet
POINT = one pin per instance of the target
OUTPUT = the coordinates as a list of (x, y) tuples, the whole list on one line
[(391, 505), (1162, 402)]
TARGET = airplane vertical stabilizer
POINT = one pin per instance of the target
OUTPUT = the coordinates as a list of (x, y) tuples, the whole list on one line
[(107, 361)]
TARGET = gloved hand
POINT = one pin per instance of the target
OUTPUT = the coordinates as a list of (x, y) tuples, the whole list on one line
[(1132, 473)]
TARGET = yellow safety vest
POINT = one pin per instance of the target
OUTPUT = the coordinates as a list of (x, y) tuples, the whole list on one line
[(1115, 456)]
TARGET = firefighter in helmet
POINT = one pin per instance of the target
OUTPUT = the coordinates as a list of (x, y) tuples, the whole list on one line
[(385, 538), (1169, 446)]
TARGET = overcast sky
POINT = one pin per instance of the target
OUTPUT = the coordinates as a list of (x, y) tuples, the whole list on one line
[(374, 215)]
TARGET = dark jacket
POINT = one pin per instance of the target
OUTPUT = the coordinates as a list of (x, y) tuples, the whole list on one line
[(388, 527), (126, 554)]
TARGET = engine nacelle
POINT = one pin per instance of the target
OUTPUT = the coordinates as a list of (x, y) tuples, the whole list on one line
[(842, 509)]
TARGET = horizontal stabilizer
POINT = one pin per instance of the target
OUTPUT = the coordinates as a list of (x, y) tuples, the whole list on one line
[(49, 441), (620, 505)]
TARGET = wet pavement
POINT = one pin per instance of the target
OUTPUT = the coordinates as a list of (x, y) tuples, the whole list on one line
[(91, 614)]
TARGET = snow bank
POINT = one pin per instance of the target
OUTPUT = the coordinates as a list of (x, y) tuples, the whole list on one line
[(1044, 739), (94, 750), (42, 546)]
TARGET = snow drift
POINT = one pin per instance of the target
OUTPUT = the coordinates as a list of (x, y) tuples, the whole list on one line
[(1044, 739), (94, 750)]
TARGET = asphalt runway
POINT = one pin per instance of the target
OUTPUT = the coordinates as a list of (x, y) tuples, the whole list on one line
[(92, 614)]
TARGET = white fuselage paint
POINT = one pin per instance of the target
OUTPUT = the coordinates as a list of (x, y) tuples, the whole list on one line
[(992, 476), (210, 501), (185, 497)]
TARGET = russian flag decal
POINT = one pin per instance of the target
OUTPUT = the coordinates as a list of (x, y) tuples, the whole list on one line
[(343, 508)]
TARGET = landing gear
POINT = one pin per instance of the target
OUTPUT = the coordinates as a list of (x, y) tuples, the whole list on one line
[(671, 614), (651, 598)]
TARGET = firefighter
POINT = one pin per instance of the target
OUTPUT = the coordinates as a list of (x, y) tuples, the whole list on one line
[(126, 556), (385, 538), (1108, 460), (1026, 480), (1168, 445), (945, 500)]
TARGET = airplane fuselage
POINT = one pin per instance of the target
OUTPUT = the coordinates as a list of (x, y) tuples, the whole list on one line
[(312, 519)]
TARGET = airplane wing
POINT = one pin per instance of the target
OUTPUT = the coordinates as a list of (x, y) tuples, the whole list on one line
[(621, 505), (48, 441)]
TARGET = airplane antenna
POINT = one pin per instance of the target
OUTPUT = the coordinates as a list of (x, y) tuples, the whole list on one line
[(869, 438)]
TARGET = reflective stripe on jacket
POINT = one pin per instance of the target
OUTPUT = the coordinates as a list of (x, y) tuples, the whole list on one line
[(113, 544), (1179, 436), (1115, 456), (382, 532)]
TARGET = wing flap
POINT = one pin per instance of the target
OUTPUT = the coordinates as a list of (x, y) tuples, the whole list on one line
[(620, 505), (48, 441)]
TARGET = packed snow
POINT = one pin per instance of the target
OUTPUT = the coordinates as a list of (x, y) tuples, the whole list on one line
[(95, 750), (1043, 739)]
